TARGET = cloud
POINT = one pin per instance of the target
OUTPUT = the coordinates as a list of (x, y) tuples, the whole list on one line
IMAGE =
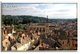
[(52, 10)]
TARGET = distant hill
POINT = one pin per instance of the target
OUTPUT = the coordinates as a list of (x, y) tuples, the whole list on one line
[(8, 19)]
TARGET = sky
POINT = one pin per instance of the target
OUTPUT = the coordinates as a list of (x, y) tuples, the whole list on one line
[(42, 10)]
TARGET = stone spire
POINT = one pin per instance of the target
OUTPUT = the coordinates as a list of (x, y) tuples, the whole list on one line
[(47, 18)]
